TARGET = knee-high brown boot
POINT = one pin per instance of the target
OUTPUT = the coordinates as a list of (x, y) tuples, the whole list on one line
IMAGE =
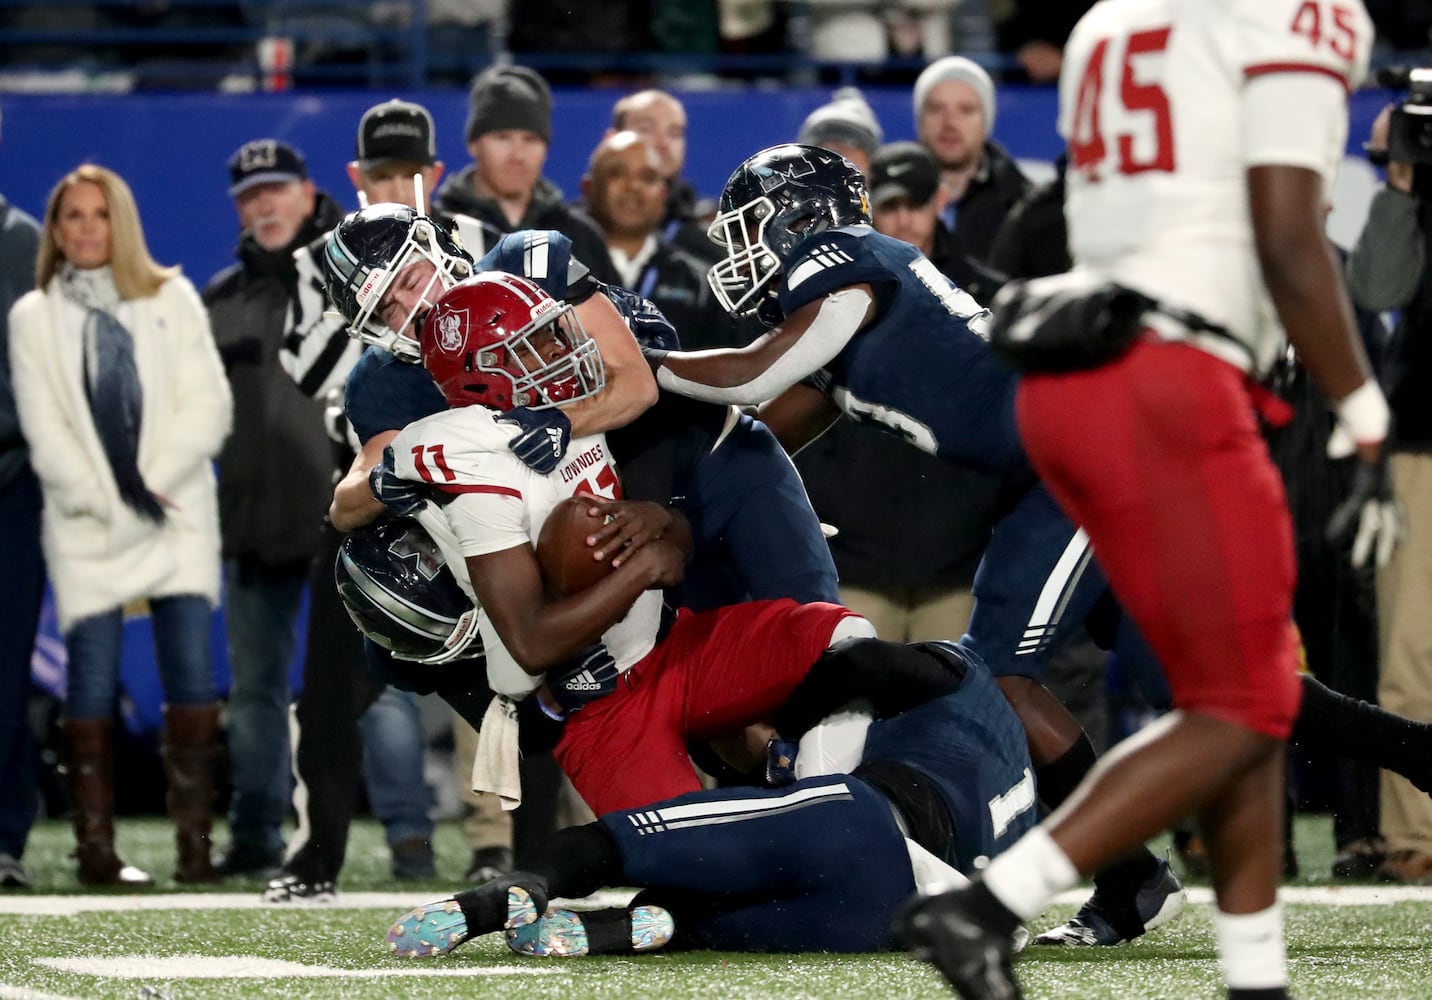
[(189, 752), (91, 767)]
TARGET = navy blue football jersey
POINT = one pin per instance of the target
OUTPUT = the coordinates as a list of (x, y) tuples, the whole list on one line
[(385, 394), (922, 367)]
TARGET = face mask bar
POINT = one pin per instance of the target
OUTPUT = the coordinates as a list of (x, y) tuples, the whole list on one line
[(749, 265), (537, 384)]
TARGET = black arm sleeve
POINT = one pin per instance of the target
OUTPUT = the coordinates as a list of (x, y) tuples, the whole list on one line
[(892, 676)]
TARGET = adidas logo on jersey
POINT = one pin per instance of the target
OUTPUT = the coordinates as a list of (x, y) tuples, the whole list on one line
[(828, 255), (824, 256)]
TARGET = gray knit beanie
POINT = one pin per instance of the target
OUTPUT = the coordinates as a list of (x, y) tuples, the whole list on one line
[(962, 69), (847, 119)]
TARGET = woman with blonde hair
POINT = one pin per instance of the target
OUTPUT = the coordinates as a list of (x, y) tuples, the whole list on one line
[(124, 403)]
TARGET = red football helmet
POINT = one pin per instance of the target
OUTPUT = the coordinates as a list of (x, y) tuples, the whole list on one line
[(499, 340)]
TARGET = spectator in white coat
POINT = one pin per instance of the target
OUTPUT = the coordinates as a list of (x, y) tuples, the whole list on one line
[(124, 404)]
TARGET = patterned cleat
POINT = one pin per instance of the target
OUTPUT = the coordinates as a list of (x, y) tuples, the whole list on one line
[(291, 889), (973, 959), (438, 927), (1160, 899), (432, 929), (565, 933)]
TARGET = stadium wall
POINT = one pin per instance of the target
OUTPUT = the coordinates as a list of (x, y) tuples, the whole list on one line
[(172, 147)]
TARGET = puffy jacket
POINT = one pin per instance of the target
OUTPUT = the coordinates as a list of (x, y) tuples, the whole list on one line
[(276, 469)]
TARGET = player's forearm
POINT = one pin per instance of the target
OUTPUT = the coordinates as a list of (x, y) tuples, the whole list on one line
[(725, 376), (1303, 278), (552, 633), (628, 394), (630, 385), (806, 342), (353, 502)]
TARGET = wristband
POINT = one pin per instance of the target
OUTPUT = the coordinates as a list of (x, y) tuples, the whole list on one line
[(550, 713), (1364, 413)]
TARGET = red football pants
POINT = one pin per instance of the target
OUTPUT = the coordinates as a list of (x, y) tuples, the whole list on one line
[(1158, 457), (714, 673)]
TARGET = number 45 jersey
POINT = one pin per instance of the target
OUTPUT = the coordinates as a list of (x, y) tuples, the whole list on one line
[(1165, 105), (921, 367)]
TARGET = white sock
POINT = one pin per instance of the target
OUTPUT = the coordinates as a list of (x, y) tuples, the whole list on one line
[(1028, 876), (1251, 948)]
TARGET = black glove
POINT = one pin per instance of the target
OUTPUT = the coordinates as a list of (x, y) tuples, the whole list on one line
[(647, 323), (542, 438), (584, 678), (1369, 518), (400, 497)]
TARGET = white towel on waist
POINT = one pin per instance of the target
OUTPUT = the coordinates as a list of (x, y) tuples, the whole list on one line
[(932, 875), (494, 769)]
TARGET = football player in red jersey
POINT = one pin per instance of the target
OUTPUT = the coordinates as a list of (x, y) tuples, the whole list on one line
[(1202, 138)]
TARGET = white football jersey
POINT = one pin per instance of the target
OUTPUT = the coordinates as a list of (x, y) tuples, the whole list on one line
[(1165, 104), (499, 503)]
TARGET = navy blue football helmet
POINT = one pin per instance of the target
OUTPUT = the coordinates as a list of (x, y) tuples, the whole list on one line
[(772, 203), (369, 249), (400, 593)]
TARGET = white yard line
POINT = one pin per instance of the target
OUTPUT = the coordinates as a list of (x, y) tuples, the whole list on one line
[(20, 993), (151, 967)]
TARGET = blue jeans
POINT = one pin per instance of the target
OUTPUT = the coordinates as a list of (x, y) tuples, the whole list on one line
[(393, 765), (261, 613), (181, 645), (21, 588)]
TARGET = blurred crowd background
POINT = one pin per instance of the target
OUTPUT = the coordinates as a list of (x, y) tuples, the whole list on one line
[(127, 45)]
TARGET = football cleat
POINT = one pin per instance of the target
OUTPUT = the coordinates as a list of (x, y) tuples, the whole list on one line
[(1160, 899), (293, 889), (562, 933), (973, 959), (438, 927), (431, 929)]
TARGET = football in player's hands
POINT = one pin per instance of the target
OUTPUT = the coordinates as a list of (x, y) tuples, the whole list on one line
[(569, 565)]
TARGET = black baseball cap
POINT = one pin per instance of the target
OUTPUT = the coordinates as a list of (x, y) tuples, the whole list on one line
[(264, 161), (396, 132), (903, 170)]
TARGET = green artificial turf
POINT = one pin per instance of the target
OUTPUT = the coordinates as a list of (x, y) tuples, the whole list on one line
[(1336, 951)]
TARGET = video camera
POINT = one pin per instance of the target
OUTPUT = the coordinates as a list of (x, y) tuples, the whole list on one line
[(1409, 131)]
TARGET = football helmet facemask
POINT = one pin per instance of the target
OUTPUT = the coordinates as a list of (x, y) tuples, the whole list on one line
[(499, 340), (770, 205), (369, 250), (400, 593)]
